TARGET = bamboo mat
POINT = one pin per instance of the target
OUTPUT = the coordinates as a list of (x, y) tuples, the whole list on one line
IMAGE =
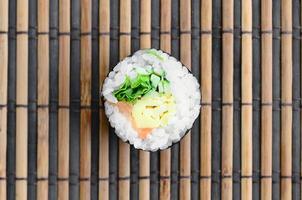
[(55, 142)]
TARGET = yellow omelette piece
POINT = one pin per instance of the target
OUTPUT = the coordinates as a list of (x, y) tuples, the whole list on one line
[(153, 111)]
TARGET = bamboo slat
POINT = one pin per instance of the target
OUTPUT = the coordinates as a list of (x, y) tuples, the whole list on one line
[(104, 44), (206, 94), (266, 99), (247, 102), (165, 45), (3, 94), (22, 100), (124, 148), (286, 99), (85, 123), (17, 41), (64, 92), (43, 99), (145, 24), (185, 57), (227, 100), (145, 42)]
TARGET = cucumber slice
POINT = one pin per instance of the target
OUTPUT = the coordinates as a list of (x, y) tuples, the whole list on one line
[(160, 87), (154, 80)]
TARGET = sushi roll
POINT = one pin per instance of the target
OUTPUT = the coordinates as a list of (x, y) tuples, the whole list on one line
[(151, 99)]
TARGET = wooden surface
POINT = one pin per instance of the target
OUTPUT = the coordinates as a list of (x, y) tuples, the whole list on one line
[(64, 91), (267, 99), (85, 78), (206, 100), (3, 94), (185, 58), (247, 103), (165, 45), (286, 99), (43, 99), (104, 57), (227, 99), (21, 99), (55, 140)]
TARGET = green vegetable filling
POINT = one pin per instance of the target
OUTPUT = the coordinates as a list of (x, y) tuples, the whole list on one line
[(134, 89)]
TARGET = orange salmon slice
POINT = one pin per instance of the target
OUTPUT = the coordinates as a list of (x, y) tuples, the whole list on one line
[(126, 109)]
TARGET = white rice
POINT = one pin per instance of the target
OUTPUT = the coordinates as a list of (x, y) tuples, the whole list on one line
[(184, 87)]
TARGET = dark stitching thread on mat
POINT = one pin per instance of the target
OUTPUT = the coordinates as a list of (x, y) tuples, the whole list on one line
[(3, 106), (245, 32), (286, 32), (246, 103), (125, 33), (64, 33), (43, 33), (267, 104), (246, 176), (104, 33), (145, 33), (185, 32), (21, 178), (206, 32), (85, 33), (164, 177), (21, 32), (227, 103), (82, 179), (158, 27), (103, 178), (3, 178), (230, 31), (197, 27), (286, 177), (165, 32), (21, 106), (124, 178), (63, 179), (184, 177), (286, 104), (85, 107), (266, 176), (206, 104), (3, 32), (43, 106), (205, 177), (144, 177), (63, 106), (42, 178), (226, 176), (266, 31)]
